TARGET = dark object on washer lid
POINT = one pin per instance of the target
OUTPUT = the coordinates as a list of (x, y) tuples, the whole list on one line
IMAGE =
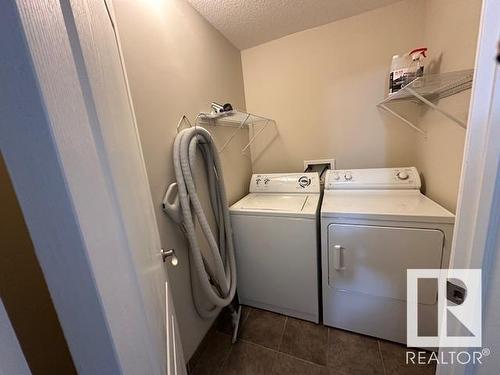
[(227, 107)]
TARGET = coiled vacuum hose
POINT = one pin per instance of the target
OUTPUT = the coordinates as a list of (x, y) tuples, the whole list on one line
[(217, 278)]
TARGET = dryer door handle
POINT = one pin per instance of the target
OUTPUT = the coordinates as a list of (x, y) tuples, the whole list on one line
[(338, 257)]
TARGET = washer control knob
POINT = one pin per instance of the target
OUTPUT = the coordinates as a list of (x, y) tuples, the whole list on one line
[(257, 181), (348, 176), (336, 176), (402, 175), (266, 180)]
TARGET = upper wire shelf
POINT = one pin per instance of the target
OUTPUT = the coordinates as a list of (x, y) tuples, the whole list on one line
[(231, 118), (234, 119), (430, 88)]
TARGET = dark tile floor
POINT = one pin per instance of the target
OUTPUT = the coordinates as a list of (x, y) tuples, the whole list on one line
[(274, 344)]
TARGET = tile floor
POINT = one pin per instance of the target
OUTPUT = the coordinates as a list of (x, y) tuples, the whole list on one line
[(274, 344)]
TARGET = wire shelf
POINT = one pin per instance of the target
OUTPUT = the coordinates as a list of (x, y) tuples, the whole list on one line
[(430, 88), (233, 119)]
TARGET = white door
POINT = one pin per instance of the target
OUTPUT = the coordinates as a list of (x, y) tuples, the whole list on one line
[(373, 260), (71, 145), (121, 145), (366, 285), (476, 239), (175, 357)]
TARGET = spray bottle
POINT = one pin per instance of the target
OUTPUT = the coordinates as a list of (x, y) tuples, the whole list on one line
[(416, 67)]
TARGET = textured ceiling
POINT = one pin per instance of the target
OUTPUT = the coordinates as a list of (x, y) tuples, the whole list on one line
[(247, 23)]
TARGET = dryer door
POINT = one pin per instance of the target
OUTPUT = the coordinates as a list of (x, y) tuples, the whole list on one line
[(373, 260)]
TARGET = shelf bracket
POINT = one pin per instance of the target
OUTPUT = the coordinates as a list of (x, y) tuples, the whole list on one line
[(397, 115), (255, 136), (234, 133), (236, 120), (435, 107)]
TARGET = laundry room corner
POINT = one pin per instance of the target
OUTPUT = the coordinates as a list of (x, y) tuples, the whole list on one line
[(451, 31), (336, 82), (334, 75), (177, 64)]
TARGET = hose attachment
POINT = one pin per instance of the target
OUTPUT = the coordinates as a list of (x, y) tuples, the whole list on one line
[(215, 277)]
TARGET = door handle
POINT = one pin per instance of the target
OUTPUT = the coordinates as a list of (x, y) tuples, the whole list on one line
[(338, 258), (167, 254)]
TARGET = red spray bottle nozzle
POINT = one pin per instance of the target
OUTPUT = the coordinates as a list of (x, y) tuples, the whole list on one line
[(422, 51)]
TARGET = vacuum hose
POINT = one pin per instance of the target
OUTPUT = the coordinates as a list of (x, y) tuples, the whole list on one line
[(217, 276)]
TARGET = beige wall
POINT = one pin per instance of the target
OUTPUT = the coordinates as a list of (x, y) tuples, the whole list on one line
[(24, 292), (322, 86), (177, 64), (451, 29)]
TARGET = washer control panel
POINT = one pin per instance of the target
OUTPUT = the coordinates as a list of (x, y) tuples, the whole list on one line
[(285, 183), (376, 178)]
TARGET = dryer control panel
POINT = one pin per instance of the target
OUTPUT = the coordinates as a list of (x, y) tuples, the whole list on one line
[(375, 178), (285, 183)]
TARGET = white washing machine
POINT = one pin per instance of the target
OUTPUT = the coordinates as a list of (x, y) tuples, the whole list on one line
[(275, 230), (376, 224)]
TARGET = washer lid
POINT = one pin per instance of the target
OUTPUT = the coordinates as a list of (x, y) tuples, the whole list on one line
[(400, 205), (277, 205)]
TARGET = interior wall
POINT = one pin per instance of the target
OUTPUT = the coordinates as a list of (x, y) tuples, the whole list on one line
[(24, 292), (177, 63), (451, 31), (322, 86)]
